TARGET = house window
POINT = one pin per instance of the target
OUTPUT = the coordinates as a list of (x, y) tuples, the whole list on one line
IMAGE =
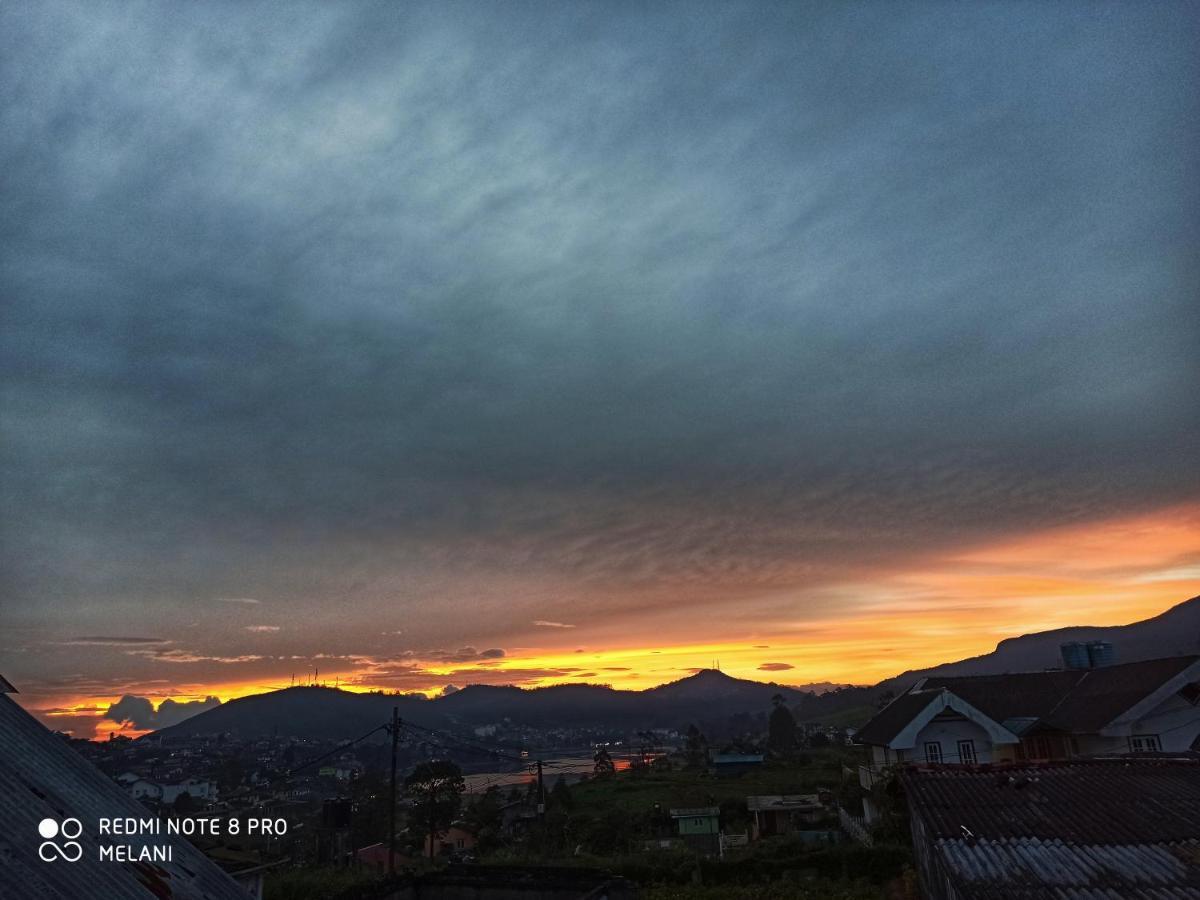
[(933, 752), (966, 753), (1145, 743)]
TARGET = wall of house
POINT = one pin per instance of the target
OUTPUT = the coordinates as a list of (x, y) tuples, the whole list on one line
[(935, 883), (146, 789), (698, 825), (948, 732), (1175, 721)]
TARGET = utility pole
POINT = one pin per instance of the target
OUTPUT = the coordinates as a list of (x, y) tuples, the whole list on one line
[(541, 808), (391, 867)]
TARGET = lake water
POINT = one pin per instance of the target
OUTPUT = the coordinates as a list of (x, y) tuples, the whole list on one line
[(570, 767)]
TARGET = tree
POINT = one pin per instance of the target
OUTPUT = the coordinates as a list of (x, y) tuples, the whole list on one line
[(696, 746), (485, 818), (230, 773), (781, 728), (184, 803), (604, 764), (436, 789), (371, 797), (560, 794)]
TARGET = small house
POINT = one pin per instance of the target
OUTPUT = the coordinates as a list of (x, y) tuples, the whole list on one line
[(784, 814), (732, 765), (456, 839), (699, 827)]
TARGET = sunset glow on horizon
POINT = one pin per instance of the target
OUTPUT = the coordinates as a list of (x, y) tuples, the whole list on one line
[(402, 349), (1107, 573)]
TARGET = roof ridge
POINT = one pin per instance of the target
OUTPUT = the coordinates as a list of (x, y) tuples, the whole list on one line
[(1067, 693)]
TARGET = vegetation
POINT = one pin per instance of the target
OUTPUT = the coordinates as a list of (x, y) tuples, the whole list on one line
[(436, 790), (781, 727), (621, 822), (819, 889), (314, 883)]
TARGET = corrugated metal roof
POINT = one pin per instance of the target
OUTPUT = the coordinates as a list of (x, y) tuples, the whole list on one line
[(42, 777), (784, 802), (1116, 830), (1101, 801), (1030, 868), (696, 812)]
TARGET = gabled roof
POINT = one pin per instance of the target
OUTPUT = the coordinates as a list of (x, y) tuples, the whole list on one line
[(1015, 695), (1079, 830), (898, 725), (44, 778), (1105, 695), (1080, 701), (892, 719)]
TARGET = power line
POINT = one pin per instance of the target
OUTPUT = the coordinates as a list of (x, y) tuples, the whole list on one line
[(339, 749), (469, 745)]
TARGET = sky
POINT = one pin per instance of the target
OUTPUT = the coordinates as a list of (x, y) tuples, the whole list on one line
[(409, 346)]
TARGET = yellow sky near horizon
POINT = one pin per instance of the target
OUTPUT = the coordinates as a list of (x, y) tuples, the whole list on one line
[(961, 605)]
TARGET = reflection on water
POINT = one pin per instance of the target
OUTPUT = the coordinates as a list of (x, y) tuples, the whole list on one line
[(571, 768)]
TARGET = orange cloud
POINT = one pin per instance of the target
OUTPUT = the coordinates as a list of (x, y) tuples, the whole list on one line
[(946, 608)]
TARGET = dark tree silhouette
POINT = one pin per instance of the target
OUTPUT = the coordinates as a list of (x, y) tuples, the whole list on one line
[(696, 747), (560, 794), (604, 764), (781, 728), (436, 789)]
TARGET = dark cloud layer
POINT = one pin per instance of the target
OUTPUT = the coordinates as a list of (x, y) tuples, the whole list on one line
[(102, 641), (421, 307)]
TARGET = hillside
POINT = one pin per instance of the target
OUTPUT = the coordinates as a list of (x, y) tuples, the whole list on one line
[(708, 697), (328, 713), (318, 713), (1175, 632)]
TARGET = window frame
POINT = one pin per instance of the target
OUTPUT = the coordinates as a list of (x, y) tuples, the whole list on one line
[(1153, 739), (929, 760), (969, 743)]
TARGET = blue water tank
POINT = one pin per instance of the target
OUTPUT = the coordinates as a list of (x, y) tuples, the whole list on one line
[(1101, 653), (1075, 655)]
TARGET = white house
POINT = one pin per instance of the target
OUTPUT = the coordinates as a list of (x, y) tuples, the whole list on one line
[(143, 789), (1141, 707)]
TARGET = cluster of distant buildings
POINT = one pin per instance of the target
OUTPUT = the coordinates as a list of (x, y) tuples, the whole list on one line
[(1074, 783)]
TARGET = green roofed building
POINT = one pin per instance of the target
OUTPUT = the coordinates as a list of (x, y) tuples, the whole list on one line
[(699, 827)]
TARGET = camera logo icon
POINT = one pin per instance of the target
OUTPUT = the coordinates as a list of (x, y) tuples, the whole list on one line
[(69, 849)]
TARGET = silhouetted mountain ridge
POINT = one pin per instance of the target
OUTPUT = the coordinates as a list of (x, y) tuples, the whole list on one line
[(1175, 632), (707, 696)]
